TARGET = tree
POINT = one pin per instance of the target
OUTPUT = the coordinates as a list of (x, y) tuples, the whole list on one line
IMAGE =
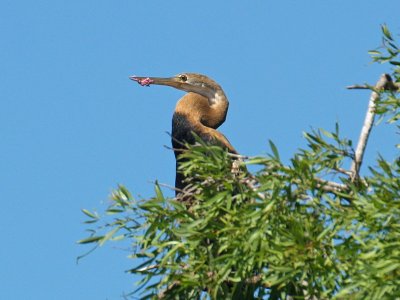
[(284, 232)]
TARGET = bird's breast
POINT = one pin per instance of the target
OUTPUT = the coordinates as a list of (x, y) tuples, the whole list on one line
[(183, 127)]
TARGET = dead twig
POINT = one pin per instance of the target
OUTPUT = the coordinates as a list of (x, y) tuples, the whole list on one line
[(343, 171), (358, 87), (385, 82), (390, 85), (331, 186), (170, 187)]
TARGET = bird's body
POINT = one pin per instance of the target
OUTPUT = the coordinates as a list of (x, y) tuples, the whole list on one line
[(199, 112), (193, 115)]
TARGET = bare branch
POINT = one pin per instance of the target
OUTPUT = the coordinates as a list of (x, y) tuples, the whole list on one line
[(331, 186), (389, 85), (358, 87), (384, 82), (239, 156), (167, 186), (343, 171)]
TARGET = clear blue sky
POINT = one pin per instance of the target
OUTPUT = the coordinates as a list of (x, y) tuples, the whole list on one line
[(73, 126)]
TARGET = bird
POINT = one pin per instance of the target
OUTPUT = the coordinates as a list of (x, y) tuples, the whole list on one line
[(199, 112)]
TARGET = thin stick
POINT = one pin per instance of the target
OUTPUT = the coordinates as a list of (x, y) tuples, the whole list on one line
[(167, 186), (358, 87), (330, 186), (343, 171), (390, 85), (368, 123)]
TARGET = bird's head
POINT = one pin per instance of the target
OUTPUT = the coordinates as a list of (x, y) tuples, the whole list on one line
[(189, 82)]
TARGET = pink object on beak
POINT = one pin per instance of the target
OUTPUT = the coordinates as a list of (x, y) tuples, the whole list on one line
[(142, 81)]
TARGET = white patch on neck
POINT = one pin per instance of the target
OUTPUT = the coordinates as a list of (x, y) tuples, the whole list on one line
[(217, 98)]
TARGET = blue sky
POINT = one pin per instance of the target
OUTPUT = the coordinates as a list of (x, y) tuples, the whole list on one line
[(73, 125)]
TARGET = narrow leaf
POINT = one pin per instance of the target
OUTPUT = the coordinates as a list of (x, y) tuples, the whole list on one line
[(89, 214), (386, 32), (274, 150), (92, 239)]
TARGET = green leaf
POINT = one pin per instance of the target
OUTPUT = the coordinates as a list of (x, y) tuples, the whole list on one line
[(326, 133), (113, 211), (109, 235), (93, 239), (159, 193), (125, 192), (170, 253), (386, 32), (374, 52), (257, 161), (325, 232), (274, 150), (89, 214)]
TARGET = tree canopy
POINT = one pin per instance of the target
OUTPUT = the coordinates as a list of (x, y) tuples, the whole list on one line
[(313, 228)]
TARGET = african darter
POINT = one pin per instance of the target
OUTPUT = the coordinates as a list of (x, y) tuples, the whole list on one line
[(201, 111)]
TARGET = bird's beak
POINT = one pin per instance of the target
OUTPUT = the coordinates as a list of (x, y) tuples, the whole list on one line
[(147, 81)]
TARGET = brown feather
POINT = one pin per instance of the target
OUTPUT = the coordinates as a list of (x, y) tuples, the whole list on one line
[(204, 119)]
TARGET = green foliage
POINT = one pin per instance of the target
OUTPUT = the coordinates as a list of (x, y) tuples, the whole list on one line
[(283, 231), (388, 52)]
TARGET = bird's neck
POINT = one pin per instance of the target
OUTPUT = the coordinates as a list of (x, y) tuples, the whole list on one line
[(217, 97), (208, 111), (216, 115)]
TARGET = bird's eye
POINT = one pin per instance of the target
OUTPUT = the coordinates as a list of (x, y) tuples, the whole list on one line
[(183, 77)]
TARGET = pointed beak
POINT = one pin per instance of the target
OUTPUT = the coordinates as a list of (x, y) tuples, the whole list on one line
[(147, 81)]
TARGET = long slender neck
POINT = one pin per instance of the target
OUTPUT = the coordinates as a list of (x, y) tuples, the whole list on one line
[(208, 108)]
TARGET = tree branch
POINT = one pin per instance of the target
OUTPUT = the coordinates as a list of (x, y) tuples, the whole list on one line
[(331, 186), (384, 82), (390, 85), (343, 171)]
